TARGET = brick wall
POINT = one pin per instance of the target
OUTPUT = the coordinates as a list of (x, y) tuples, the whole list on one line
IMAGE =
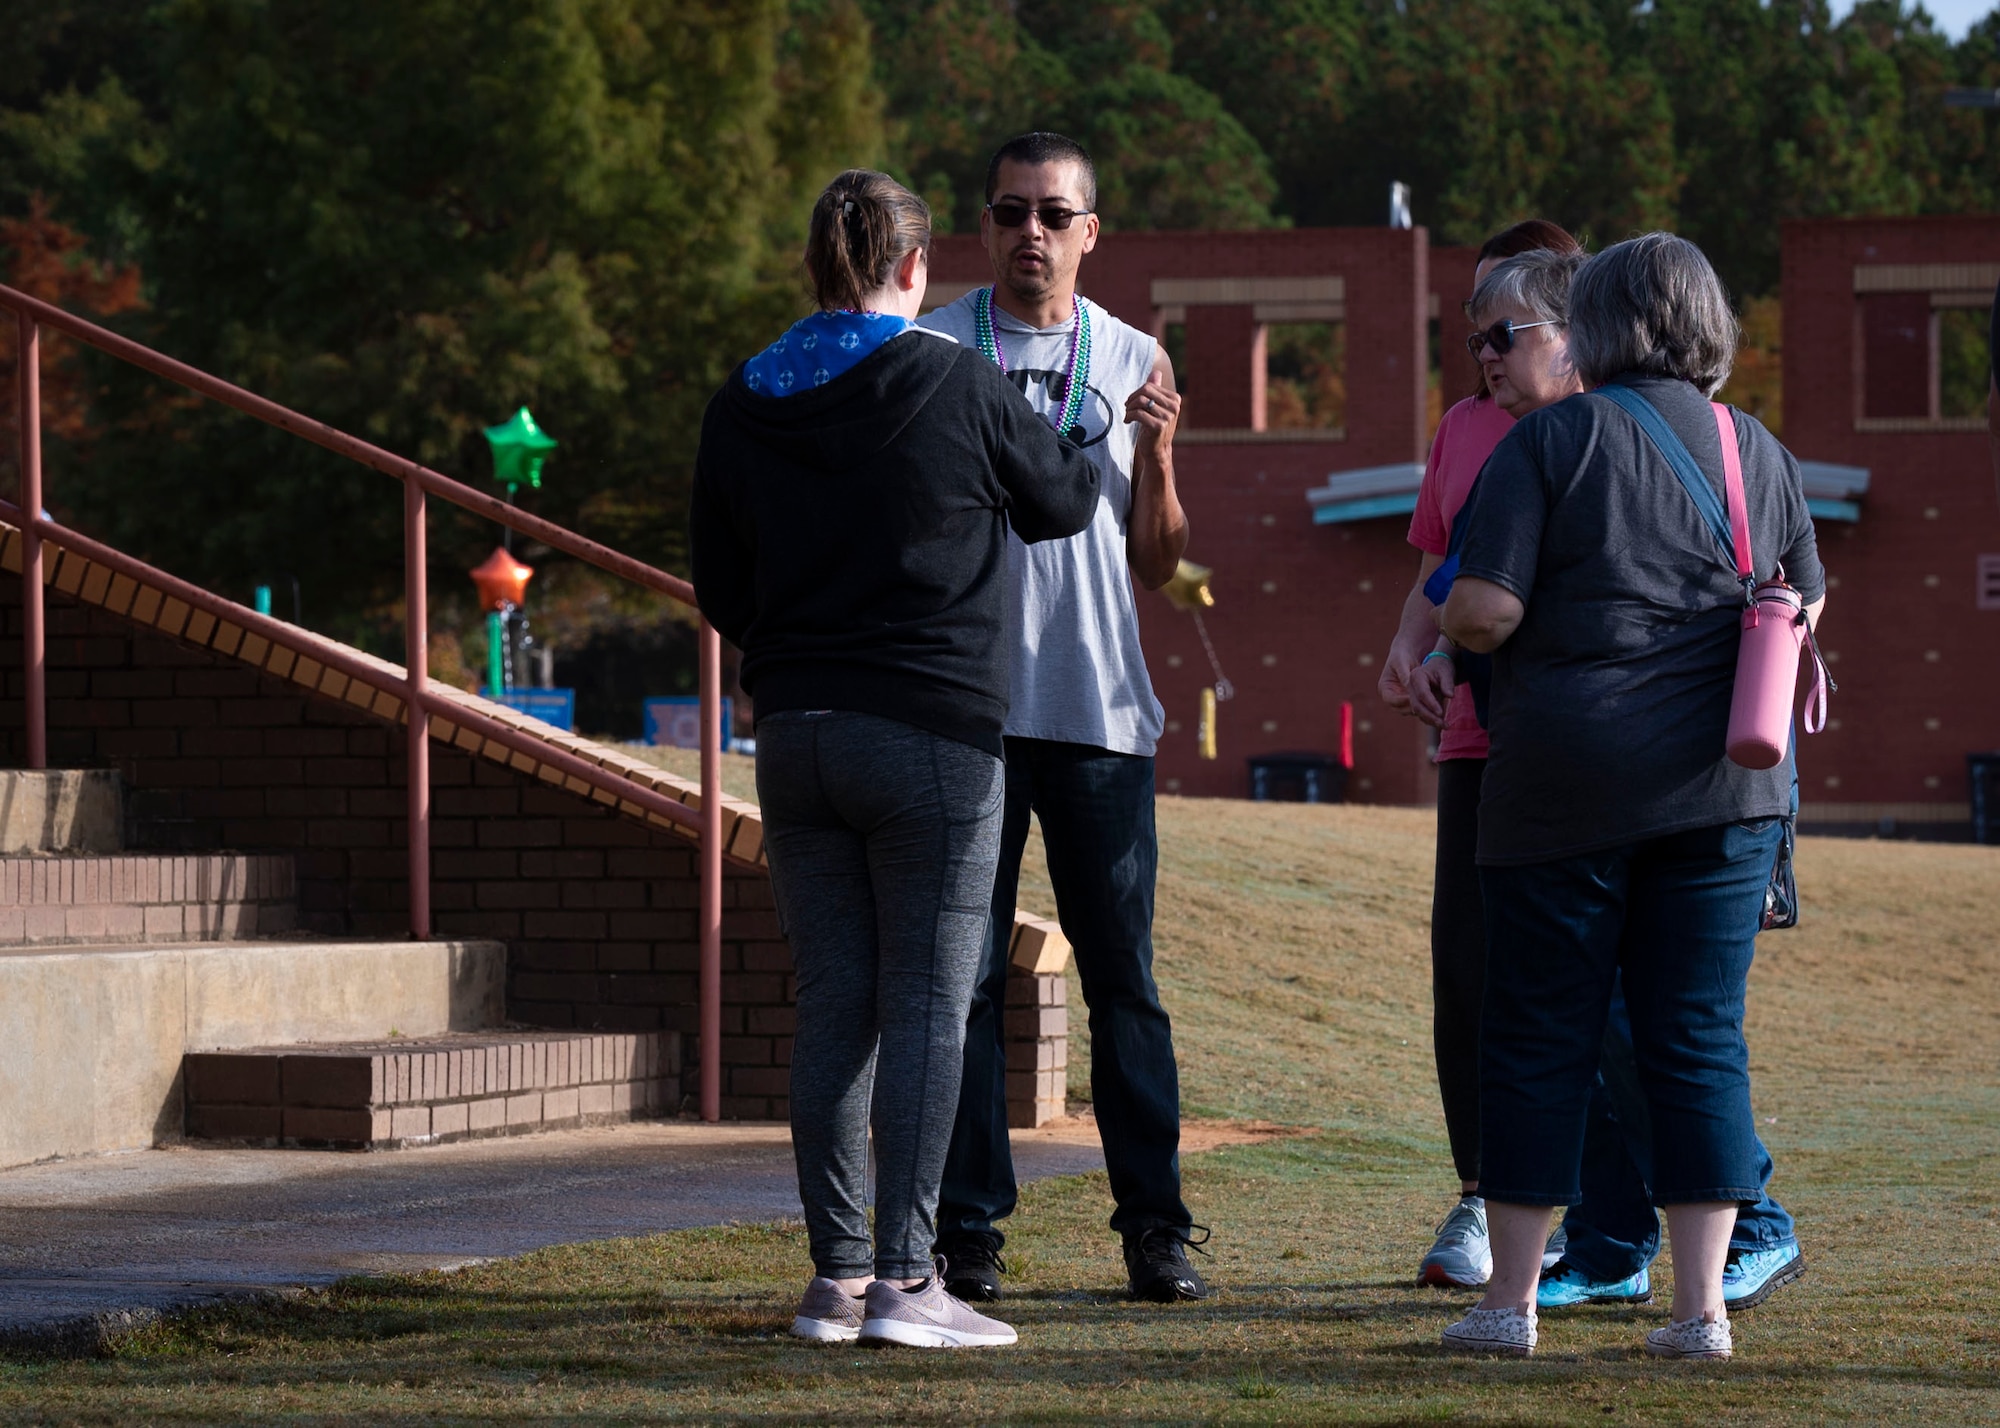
[(598, 913)]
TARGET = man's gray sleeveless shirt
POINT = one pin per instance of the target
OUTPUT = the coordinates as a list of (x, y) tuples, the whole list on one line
[(1079, 676)]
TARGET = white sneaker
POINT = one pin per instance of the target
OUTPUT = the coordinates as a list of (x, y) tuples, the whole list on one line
[(1552, 1252), (1493, 1331), (828, 1313), (1461, 1257), (1703, 1338), (926, 1317)]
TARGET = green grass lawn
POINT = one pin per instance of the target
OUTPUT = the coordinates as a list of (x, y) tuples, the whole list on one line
[(1293, 955)]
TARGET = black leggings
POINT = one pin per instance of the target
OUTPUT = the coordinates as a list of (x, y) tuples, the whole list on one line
[(1458, 959)]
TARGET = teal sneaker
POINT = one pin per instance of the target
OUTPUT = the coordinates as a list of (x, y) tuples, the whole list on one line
[(1566, 1286), (1752, 1276)]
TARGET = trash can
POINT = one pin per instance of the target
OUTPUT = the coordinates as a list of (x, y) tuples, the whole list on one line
[(1300, 778), (1983, 771)]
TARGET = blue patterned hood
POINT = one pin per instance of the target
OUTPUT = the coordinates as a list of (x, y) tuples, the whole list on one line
[(817, 349)]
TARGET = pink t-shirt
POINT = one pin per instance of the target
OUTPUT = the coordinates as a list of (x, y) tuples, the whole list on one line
[(1465, 438)]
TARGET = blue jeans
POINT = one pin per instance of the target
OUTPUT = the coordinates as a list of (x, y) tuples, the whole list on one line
[(1614, 1231), (881, 838), (1096, 812), (1677, 916)]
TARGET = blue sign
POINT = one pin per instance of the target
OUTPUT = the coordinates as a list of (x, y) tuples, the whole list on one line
[(551, 706), (675, 720)]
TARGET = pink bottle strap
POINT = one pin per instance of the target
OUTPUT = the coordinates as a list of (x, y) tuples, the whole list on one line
[(1732, 488)]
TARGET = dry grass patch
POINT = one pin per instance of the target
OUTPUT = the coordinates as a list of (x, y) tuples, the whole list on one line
[(1292, 950)]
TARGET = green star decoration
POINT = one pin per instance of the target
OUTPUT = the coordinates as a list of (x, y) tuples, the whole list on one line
[(519, 448)]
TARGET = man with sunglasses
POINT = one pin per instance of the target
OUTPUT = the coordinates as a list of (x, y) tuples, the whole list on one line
[(1082, 726)]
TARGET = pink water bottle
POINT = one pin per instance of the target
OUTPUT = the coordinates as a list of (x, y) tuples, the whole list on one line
[(1767, 674)]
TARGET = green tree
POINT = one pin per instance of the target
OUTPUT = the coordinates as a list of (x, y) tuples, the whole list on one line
[(407, 219), (963, 76)]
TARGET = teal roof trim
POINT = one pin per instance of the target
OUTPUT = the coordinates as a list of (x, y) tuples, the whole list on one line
[(1367, 508), (1823, 509)]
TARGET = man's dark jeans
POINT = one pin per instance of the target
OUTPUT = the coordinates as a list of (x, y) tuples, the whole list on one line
[(1677, 917), (1096, 812), (1614, 1232)]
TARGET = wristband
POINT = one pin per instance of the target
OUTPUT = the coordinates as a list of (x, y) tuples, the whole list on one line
[(1434, 654)]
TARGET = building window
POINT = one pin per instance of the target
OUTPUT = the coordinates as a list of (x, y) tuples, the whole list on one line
[(1959, 339), (1921, 339), (1305, 376), (1987, 587), (1173, 338)]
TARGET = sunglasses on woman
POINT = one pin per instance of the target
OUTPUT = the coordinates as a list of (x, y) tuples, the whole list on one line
[(1501, 335), (1013, 215)]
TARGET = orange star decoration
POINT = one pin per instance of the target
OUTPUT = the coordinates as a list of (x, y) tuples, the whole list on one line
[(502, 580)]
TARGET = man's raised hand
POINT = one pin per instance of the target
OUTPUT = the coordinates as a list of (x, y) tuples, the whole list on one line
[(1157, 410)]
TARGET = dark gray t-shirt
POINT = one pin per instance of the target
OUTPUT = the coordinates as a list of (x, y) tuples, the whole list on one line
[(1610, 703)]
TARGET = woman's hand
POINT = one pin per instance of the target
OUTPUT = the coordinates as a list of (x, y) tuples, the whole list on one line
[(1394, 685), (1432, 684)]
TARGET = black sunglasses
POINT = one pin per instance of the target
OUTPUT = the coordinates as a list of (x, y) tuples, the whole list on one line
[(1501, 335), (1013, 215)]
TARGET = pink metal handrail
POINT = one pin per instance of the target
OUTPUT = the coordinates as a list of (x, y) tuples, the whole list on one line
[(418, 482)]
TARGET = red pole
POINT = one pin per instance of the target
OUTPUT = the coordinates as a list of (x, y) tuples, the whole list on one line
[(711, 873), (33, 667), (416, 640)]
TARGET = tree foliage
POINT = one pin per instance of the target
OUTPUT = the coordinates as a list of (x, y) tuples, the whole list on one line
[(407, 219)]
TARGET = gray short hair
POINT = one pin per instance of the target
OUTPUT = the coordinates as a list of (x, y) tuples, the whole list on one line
[(1538, 280), (1652, 305)]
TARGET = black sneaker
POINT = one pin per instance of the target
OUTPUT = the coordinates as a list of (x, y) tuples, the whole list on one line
[(1156, 1262), (972, 1266)]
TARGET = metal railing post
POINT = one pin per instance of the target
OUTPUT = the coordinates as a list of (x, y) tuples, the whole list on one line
[(34, 670), (416, 639), (711, 873)]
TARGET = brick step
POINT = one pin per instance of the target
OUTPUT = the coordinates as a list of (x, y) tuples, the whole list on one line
[(144, 898), (385, 1095)]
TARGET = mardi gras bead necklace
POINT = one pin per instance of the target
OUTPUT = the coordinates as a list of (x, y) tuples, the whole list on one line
[(1076, 381)]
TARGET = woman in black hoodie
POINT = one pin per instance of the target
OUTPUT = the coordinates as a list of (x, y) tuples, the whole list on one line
[(853, 493)]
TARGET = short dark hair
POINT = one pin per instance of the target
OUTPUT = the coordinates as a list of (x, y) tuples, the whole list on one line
[(1526, 237), (862, 226), (1043, 147)]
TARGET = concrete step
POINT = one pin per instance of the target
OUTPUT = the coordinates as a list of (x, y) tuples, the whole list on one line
[(91, 1039), (61, 811), (386, 1095), (125, 899)]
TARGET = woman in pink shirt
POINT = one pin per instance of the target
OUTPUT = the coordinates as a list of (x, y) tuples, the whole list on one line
[(1417, 681)]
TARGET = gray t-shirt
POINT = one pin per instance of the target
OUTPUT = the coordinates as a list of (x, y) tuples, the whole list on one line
[(1079, 674), (1610, 703)]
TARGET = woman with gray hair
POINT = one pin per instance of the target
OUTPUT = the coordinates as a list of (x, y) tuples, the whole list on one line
[(1520, 310), (1614, 835)]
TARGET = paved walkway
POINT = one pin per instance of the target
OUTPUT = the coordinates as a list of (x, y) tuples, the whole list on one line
[(86, 1245)]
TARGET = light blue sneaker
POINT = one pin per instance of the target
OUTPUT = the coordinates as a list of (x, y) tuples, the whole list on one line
[(1566, 1286), (1752, 1276), (1461, 1257)]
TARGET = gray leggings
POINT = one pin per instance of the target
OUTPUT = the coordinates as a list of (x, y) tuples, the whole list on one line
[(882, 840)]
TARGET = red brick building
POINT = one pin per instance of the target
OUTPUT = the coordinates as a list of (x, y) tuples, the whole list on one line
[(1886, 378), (1314, 363)]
